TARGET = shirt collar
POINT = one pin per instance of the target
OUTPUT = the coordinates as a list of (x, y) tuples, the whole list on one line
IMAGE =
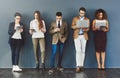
[(82, 18), (57, 21)]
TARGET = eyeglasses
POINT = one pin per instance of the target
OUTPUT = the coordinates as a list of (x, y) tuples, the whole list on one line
[(17, 18)]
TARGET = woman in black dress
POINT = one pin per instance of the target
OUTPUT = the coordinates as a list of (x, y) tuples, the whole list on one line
[(100, 27)]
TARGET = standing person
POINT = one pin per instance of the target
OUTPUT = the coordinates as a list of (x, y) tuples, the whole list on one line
[(100, 36), (37, 30), (59, 32), (16, 40), (80, 38)]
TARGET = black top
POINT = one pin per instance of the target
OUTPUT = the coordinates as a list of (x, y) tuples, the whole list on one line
[(11, 31)]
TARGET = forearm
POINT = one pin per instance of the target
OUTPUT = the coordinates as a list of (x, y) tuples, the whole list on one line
[(86, 29)]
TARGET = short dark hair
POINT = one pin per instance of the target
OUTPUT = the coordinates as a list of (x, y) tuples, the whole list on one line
[(101, 11), (17, 14), (58, 13), (83, 9)]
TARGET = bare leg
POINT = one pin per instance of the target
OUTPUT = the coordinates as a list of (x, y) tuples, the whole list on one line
[(98, 59), (103, 59)]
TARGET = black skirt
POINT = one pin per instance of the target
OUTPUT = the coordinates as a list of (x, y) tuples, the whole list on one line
[(100, 40)]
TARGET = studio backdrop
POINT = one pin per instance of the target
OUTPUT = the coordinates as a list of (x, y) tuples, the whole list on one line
[(48, 9)]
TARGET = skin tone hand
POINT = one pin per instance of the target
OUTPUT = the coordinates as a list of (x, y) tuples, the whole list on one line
[(21, 30), (97, 28), (81, 27), (30, 31), (56, 29), (43, 30), (85, 29), (104, 30)]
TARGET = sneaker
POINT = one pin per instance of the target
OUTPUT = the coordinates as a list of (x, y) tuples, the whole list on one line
[(13, 68), (17, 68), (51, 71), (60, 69)]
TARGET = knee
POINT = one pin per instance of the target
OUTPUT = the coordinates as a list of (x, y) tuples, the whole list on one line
[(43, 51)]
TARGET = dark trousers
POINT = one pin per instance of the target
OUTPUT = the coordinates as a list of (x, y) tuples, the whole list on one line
[(15, 46), (59, 46)]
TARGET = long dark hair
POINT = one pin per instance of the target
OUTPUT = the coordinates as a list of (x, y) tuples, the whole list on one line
[(100, 11), (40, 23)]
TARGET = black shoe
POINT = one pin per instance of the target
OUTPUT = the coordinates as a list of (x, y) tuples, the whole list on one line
[(103, 69), (99, 68), (37, 66), (43, 65), (82, 68)]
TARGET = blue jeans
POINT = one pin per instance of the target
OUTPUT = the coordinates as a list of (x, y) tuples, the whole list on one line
[(57, 47)]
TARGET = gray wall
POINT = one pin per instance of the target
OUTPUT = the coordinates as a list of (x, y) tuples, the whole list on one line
[(69, 8)]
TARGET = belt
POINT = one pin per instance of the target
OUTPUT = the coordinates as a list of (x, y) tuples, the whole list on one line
[(80, 34)]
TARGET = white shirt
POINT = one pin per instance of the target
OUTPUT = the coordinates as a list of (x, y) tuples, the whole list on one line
[(17, 34), (60, 23), (38, 33)]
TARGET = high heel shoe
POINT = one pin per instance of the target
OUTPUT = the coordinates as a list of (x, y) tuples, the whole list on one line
[(99, 67), (103, 68)]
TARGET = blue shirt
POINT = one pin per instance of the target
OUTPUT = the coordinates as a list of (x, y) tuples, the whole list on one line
[(81, 30)]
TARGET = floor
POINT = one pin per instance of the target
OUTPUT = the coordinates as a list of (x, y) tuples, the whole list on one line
[(67, 73)]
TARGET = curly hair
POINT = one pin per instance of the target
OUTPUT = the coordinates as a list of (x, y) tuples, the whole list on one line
[(100, 11)]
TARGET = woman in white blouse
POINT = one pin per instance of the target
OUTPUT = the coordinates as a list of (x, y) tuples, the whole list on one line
[(37, 30)]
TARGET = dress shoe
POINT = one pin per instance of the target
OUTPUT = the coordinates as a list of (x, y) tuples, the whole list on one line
[(78, 69), (37, 66), (43, 65)]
